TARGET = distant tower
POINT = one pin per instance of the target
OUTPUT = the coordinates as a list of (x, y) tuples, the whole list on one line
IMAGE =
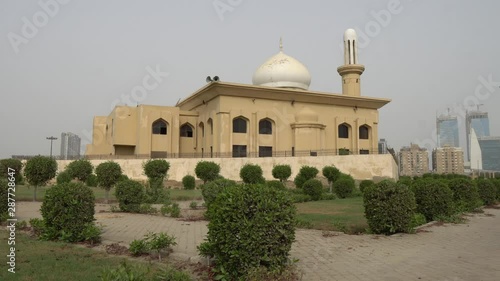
[(351, 71)]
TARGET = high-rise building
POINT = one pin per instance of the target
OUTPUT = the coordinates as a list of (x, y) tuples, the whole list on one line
[(479, 122), (413, 161), (448, 160), (447, 131), (490, 153), (382, 146), (70, 146)]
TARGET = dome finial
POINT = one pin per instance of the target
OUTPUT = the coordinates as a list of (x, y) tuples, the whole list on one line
[(281, 44)]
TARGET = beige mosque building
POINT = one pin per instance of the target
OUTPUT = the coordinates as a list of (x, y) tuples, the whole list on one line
[(275, 116)]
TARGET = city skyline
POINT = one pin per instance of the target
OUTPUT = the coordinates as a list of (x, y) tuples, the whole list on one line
[(65, 72)]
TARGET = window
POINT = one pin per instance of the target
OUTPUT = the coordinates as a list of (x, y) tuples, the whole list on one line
[(202, 128), (343, 131), (239, 125), (363, 132), (265, 127), (265, 151), (186, 131), (239, 151), (364, 151), (211, 124), (159, 127)]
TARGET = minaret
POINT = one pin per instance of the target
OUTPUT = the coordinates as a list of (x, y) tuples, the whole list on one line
[(351, 71)]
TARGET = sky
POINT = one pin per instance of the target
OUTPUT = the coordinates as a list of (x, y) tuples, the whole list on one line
[(64, 61)]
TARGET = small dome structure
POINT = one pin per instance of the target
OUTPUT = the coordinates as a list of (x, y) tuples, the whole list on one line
[(282, 71)]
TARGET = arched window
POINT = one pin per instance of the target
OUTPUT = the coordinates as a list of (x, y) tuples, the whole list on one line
[(363, 132), (202, 128), (265, 127), (159, 127), (239, 125), (186, 131), (343, 131), (211, 125)]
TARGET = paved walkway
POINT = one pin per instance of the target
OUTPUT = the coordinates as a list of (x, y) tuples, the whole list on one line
[(461, 252)]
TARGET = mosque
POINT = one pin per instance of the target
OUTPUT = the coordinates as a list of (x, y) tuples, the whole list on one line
[(275, 116)]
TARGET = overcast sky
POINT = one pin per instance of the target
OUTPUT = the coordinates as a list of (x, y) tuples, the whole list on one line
[(64, 62)]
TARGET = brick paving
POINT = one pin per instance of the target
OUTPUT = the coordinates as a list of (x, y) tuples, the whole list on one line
[(462, 252)]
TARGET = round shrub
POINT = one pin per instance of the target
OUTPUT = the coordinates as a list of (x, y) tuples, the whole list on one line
[(389, 207), (156, 168), (364, 184), (276, 184), (305, 173), (313, 188), (331, 173), (299, 181), (207, 171), (465, 194), (67, 210), (39, 170), (282, 172), (91, 181), (487, 191), (433, 197), (80, 169), (63, 177), (251, 174), (344, 186), (189, 182), (15, 164), (253, 226), (130, 195), (211, 190), (108, 174)]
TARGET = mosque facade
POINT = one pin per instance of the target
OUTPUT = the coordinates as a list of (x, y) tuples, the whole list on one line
[(275, 116)]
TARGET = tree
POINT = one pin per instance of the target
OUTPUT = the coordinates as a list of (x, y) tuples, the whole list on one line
[(331, 174), (251, 174), (15, 164), (80, 169), (39, 170), (282, 172), (207, 171), (156, 169), (108, 174)]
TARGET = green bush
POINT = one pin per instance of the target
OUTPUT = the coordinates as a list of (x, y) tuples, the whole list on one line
[(405, 180), (138, 247), (172, 274), (332, 174), (156, 193), (207, 171), (487, 191), (37, 226), (91, 181), (80, 169), (91, 233), (300, 198), (39, 170), (496, 182), (156, 168), (262, 219), (67, 210), (282, 172), (125, 272), (147, 208), (276, 184), (193, 205), (465, 194), (418, 220), (159, 242), (63, 177), (130, 195), (313, 188), (108, 174), (251, 174), (364, 184), (211, 190), (433, 197), (15, 164), (344, 186), (389, 207), (189, 182), (305, 173), (328, 196)]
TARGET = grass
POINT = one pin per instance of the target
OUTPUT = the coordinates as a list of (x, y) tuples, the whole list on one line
[(52, 261), (345, 215), (25, 193)]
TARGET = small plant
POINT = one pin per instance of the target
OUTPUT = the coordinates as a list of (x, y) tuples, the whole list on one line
[(165, 209), (21, 225), (130, 195), (276, 184), (313, 188), (108, 174), (344, 186), (193, 205), (251, 174), (138, 247), (146, 208), (331, 174), (91, 233), (188, 182), (37, 226), (207, 171), (125, 272), (205, 249), (175, 211), (159, 242), (282, 172), (418, 220), (170, 273)]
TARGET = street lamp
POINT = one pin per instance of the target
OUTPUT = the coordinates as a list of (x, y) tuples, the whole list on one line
[(51, 140)]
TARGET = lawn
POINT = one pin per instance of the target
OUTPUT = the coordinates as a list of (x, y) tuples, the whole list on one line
[(340, 215), (25, 193), (51, 261)]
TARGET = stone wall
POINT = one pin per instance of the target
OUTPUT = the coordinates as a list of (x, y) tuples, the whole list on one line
[(361, 167)]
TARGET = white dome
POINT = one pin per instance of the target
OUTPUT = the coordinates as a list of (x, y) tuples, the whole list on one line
[(282, 71)]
